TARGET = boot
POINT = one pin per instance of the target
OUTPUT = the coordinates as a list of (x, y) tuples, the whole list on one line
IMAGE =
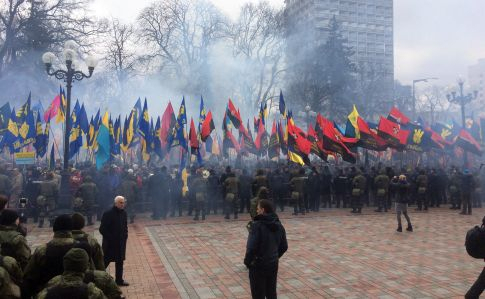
[(410, 228), (399, 229)]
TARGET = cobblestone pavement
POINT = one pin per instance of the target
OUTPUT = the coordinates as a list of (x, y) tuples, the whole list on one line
[(332, 254)]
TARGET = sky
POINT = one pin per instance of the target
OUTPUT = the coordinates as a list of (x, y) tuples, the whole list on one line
[(432, 38)]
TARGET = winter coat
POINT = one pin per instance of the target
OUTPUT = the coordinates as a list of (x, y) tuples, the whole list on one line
[(266, 242), (114, 229)]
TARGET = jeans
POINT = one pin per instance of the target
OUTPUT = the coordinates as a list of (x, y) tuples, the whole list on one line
[(263, 282), (477, 288)]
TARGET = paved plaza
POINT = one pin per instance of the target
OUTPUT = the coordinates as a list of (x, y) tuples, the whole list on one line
[(332, 254)]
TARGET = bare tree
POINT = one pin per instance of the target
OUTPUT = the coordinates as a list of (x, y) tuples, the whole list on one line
[(257, 38), (178, 35), (432, 101)]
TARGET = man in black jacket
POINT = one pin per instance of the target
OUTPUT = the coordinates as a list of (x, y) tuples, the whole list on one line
[(266, 244), (114, 229)]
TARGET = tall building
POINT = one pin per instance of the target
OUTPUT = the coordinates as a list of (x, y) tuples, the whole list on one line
[(366, 24), (476, 80)]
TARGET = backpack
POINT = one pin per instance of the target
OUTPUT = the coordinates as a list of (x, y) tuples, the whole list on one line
[(475, 242)]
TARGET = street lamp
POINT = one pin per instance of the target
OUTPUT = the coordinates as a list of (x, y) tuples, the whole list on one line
[(414, 93), (307, 114), (69, 75), (462, 100)]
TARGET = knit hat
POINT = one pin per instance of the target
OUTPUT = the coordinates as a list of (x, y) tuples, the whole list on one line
[(76, 259), (78, 221), (62, 222), (8, 217)]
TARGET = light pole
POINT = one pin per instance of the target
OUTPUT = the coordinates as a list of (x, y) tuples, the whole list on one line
[(414, 92), (307, 114), (69, 75), (462, 100)]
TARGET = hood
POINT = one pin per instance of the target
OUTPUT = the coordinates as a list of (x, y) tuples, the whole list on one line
[(271, 221)]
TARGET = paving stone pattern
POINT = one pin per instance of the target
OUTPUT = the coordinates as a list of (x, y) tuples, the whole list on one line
[(332, 254)]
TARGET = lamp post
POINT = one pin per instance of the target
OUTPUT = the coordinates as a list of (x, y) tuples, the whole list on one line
[(68, 75), (307, 114), (414, 93), (462, 100)]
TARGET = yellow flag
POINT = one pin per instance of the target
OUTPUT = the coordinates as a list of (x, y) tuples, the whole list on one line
[(353, 116)]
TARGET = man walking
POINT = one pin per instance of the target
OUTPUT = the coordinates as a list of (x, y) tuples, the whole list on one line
[(114, 229), (266, 244)]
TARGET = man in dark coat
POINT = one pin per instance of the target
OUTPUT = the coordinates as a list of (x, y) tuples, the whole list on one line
[(266, 244), (114, 229), (159, 191)]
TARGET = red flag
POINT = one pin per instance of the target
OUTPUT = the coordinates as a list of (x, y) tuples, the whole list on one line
[(260, 136), (207, 127), (194, 142), (333, 140), (168, 122), (233, 115), (53, 108), (392, 133), (466, 141), (369, 138), (397, 116), (302, 144), (274, 146)]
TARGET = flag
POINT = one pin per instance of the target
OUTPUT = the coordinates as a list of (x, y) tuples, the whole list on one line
[(246, 141), (52, 160), (53, 108), (352, 127), (177, 137), (369, 138), (40, 143), (392, 133), (4, 116), (194, 141), (144, 123), (298, 146), (27, 130), (168, 124), (207, 127), (24, 110), (157, 144), (83, 120), (332, 140), (60, 115), (262, 113), (202, 113), (12, 133), (128, 131), (103, 153), (260, 142), (282, 105), (281, 138), (274, 144), (466, 141), (38, 108), (233, 114), (397, 116)]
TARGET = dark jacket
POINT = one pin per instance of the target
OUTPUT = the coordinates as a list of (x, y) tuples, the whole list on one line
[(266, 242), (114, 229)]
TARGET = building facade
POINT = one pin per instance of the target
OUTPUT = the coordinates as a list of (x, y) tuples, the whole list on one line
[(476, 80), (367, 25)]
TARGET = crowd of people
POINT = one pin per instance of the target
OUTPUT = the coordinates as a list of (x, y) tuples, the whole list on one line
[(74, 259)]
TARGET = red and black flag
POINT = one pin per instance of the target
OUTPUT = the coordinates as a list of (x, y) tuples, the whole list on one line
[(274, 144), (246, 141), (194, 141), (233, 114), (369, 138), (168, 124), (392, 133), (298, 146), (333, 140), (281, 137), (466, 141), (207, 127), (398, 117), (260, 142)]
